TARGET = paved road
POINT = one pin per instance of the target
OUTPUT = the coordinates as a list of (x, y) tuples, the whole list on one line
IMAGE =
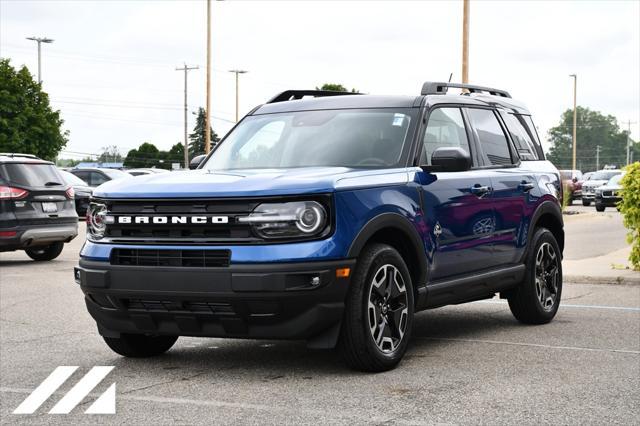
[(466, 364), (591, 234)]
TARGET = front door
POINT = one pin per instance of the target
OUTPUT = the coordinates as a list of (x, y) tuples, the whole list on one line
[(457, 206)]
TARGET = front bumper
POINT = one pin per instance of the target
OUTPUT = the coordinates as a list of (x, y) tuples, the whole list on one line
[(259, 301), (608, 201), (38, 235)]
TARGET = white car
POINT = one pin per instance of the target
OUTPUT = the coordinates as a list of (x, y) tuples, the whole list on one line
[(597, 180)]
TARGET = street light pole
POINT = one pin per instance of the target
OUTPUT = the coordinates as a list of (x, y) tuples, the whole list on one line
[(207, 131), (237, 72), (575, 115), (186, 69), (465, 42), (40, 40)]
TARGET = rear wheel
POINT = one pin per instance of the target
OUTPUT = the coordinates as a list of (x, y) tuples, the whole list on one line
[(49, 252), (537, 299), (140, 345), (379, 311)]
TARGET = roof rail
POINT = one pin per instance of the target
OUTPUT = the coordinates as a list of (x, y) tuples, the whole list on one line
[(431, 88), (290, 95)]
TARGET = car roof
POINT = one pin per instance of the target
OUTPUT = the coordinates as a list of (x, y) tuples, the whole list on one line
[(395, 101), (92, 169), (21, 158)]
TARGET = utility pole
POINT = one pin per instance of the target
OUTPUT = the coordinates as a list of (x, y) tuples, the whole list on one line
[(629, 123), (575, 115), (186, 69), (465, 42), (597, 157), (40, 40), (237, 72), (207, 121)]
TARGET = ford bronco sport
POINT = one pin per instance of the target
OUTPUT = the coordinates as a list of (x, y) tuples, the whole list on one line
[(332, 218)]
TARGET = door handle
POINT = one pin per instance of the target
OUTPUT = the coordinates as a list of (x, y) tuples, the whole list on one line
[(480, 190), (526, 186)]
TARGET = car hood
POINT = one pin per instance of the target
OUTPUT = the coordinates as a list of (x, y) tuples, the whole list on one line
[(594, 183), (609, 188), (242, 183)]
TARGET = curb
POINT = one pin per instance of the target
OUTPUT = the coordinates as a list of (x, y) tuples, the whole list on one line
[(608, 280)]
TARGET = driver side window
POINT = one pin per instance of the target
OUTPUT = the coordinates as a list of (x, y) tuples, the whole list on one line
[(444, 129)]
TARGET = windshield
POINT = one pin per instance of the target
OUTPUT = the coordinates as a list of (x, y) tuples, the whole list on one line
[(342, 138), (72, 179), (604, 174), (615, 181)]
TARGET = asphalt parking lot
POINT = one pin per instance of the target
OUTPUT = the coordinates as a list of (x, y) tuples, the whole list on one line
[(466, 364)]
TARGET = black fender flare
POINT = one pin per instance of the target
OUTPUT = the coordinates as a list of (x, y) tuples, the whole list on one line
[(546, 207), (403, 225)]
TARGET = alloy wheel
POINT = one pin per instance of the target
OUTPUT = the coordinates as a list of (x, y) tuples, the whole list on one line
[(387, 308), (546, 279)]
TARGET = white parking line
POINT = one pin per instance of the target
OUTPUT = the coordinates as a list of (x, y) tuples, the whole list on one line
[(500, 342), (563, 305)]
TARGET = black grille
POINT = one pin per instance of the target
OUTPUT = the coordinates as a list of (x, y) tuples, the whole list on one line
[(175, 258), (607, 193), (233, 231), (171, 306)]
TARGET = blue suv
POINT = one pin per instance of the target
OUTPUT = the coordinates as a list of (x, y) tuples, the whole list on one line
[(333, 218)]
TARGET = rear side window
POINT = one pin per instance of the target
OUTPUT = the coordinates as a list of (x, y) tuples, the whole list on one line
[(495, 148), (445, 129), (33, 174), (533, 132), (98, 179), (525, 147)]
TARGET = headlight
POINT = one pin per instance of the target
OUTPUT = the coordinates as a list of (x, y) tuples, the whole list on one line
[(96, 222), (287, 220)]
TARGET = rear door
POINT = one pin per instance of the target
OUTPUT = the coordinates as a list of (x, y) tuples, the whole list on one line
[(46, 201), (457, 205), (513, 185)]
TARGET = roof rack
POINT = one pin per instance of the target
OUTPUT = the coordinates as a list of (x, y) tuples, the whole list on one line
[(290, 95), (10, 154), (431, 88)]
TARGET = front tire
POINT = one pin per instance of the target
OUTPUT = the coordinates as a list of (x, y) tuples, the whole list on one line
[(586, 203), (379, 311), (140, 345), (537, 298), (600, 207), (43, 253)]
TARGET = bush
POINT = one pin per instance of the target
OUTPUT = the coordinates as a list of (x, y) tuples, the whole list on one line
[(630, 208)]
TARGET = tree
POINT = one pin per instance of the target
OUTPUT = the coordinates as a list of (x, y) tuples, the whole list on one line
[(28, 124), (336, 88), (110, 154), (593, 129), (147, 155), (197, 138)]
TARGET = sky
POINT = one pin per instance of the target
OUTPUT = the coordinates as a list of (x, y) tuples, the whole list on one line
[(111, 69)]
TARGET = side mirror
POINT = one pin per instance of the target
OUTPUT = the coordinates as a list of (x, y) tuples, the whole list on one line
[(450, 159), (196, 161)]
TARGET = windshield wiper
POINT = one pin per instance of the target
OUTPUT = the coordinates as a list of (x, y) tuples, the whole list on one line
[(52, 184)]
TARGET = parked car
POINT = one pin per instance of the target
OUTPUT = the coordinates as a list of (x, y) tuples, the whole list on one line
[(150, 171), (81, 190), (595, 181), (37, 211), (332, 218), (94, 177), (572, 182), (609, 194)]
